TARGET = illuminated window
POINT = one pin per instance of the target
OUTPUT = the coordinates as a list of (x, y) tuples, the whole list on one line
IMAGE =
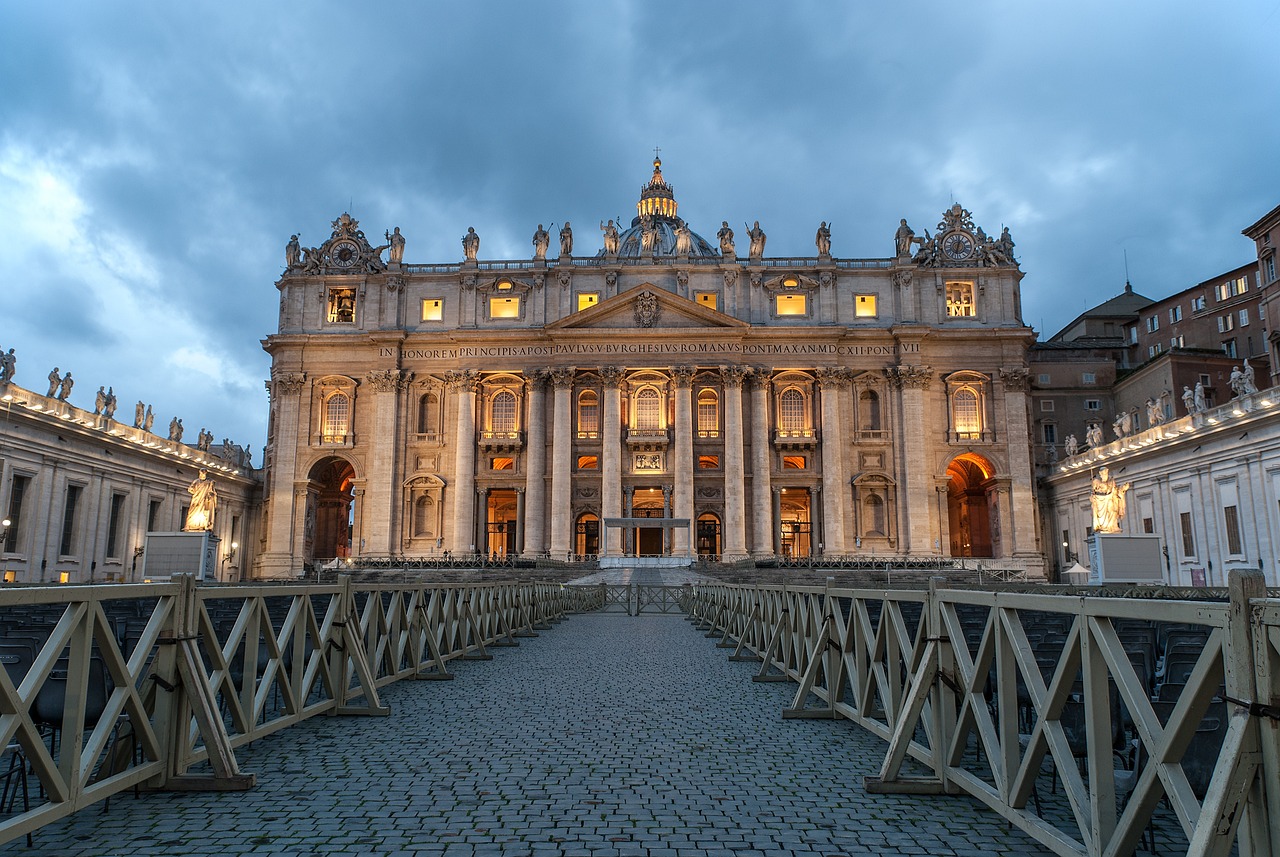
[(794, 462), (864, 306), (337, 418), (707, 299), (789, 305), (502, 414), (502, 464), (791, 410), (964, 412), (588, 462), (433, 309), (709, 462), (708, 414), (588, 414), (342, 306), (586, 300), (504, 307), (648, 410), (960, 300)]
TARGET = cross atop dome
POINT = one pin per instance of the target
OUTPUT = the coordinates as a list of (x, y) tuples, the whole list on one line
[(657, 198)]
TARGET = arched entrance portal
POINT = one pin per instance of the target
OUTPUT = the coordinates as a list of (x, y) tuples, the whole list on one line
[(330, 510), (968, 507)]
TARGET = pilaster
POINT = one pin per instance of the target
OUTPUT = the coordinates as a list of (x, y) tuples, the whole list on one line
[(611, 453), (910, 383), (462, 385), (284, 516), (380, 498), (763, 498), (561, 472), (833, 479), (734, 545), (682, 470), (533, 513)]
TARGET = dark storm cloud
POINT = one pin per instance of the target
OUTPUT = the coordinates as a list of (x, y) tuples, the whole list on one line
[(158, 157)]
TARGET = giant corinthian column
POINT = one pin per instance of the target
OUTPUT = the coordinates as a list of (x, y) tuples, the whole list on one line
[(611, 457), (464, 469), (535, 493), (735, 512), (911, 382), (763, 522), (682, 472), (833, 441), (561, 470)]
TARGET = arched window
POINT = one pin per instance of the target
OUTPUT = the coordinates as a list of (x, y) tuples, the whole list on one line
[(588, 414), (791, 410), (965, 414), (337, 418), (873, 509), (502, 412), (648, 410), (708, 414), (869, 411), (428, 414), (424, 514)]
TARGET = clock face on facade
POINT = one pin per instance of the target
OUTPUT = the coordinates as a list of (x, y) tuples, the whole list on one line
[(344, 254), (957, 245)]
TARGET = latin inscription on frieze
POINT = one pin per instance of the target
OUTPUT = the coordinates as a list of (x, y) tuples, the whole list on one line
[(656, 348)]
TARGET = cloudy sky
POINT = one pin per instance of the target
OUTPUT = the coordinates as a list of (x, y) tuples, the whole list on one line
[(155, 157)]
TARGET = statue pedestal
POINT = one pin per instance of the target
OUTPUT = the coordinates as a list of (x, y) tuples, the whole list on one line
[(168, 554), (1117, 558)]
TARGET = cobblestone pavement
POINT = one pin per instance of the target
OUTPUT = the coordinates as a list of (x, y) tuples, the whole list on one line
[(607, 735)]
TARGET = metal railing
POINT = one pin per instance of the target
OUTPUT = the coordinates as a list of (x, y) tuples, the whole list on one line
[(107, 688), (1042, 705)]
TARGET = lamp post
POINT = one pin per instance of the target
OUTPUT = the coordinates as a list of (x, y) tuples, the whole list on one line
[(229, 556)]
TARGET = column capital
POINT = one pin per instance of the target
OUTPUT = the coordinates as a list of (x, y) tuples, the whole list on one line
[(734, 375), (683, 376), (286, 383), (388, 380), (1015, 378), (562, 377), (909, 377), (611, 376), (831, 377), (760, 378), (463, 381)]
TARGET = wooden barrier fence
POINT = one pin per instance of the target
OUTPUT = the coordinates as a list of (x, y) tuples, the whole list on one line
[(108, 688), (1057, 730)]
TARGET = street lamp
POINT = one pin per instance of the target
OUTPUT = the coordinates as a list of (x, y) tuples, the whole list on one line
[(4, 538)]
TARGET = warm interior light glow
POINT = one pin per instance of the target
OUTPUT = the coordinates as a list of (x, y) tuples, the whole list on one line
[(586, 300), (864, 306), (504, 284), (432, 309), (790, 305), (64, 576), (504, 307), (790, 281)]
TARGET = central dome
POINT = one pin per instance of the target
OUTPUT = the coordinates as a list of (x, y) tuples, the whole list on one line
[(658, 206)]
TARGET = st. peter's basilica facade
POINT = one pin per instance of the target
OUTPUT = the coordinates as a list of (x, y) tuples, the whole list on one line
[(666, 396)]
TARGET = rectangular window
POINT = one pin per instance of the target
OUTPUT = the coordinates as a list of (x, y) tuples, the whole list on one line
[(1229, 348), (1148, 525), (586, 300), (1093, 404), (1153, 323), (1154, 350), (1269, 266), (113, 525), (1050, 433), (1175, 314), (790, 305), (502, 463), (1188, 536), (1133, 334), (864, 306), (708, 462), (342, 306), (710, 300), (960, 300), (508, 307), (153, 515), (1198, 304), (1044, 379), (1176, 342), (1226, 322), (20, 485), (1046, 405), (1231, 522), (588, 462), (1088, 378), (433, 309), (69, 520), (794, 462), (1244, 318)]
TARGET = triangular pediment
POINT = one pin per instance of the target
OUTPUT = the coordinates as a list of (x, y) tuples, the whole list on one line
[(647, 306)]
